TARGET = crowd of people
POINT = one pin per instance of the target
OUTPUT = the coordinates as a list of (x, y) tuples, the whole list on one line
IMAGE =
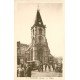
[(24, 70)]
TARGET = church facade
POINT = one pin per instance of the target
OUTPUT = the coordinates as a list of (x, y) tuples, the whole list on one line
[(38, 50)]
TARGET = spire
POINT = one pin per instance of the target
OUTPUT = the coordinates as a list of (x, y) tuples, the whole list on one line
[(38, 20)]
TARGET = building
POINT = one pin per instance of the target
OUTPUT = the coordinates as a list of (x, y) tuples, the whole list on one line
[(21, 49), (38, 50)]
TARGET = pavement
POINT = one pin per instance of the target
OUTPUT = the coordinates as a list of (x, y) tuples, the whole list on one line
[(46, 73)]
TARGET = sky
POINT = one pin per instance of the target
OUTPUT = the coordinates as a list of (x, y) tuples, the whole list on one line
[(53, 17)]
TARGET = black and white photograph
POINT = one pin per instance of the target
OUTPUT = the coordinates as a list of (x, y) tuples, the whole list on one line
[(39, 39)]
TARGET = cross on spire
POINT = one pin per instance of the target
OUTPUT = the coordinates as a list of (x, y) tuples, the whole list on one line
[(38, 7)]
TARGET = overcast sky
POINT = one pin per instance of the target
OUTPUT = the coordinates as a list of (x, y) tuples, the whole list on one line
[(53, 17)]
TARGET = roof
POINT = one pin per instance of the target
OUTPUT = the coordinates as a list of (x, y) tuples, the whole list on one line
[(38, 20)]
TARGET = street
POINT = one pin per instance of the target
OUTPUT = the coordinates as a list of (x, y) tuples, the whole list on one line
[(46, 74)]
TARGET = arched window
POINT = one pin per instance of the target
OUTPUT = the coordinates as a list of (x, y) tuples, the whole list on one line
[(40, 31)]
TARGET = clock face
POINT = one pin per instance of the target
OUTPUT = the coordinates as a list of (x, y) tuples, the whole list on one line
[(39, 22)]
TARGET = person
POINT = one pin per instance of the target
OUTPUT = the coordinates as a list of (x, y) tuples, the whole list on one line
[(28, 71), (17, 72), (22, 72), (22, 65), (49, 67), (45, 66), (41, 67), (53, 66)]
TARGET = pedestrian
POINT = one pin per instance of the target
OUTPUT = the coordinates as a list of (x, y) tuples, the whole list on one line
[(28, 71), (39, 68), (49, 67), (17, 72), (22, 72), (22, 65), (53, 66), (45, 66), (42, 67)]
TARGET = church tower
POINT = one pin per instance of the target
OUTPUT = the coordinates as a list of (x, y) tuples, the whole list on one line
[(39, 41)]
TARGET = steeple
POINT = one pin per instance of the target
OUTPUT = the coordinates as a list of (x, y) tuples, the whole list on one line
[(38, 20)]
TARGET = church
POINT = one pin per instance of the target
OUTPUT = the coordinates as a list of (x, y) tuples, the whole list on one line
[(38, 50)]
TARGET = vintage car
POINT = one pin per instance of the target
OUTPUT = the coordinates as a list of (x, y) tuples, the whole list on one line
[(34, 64)]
